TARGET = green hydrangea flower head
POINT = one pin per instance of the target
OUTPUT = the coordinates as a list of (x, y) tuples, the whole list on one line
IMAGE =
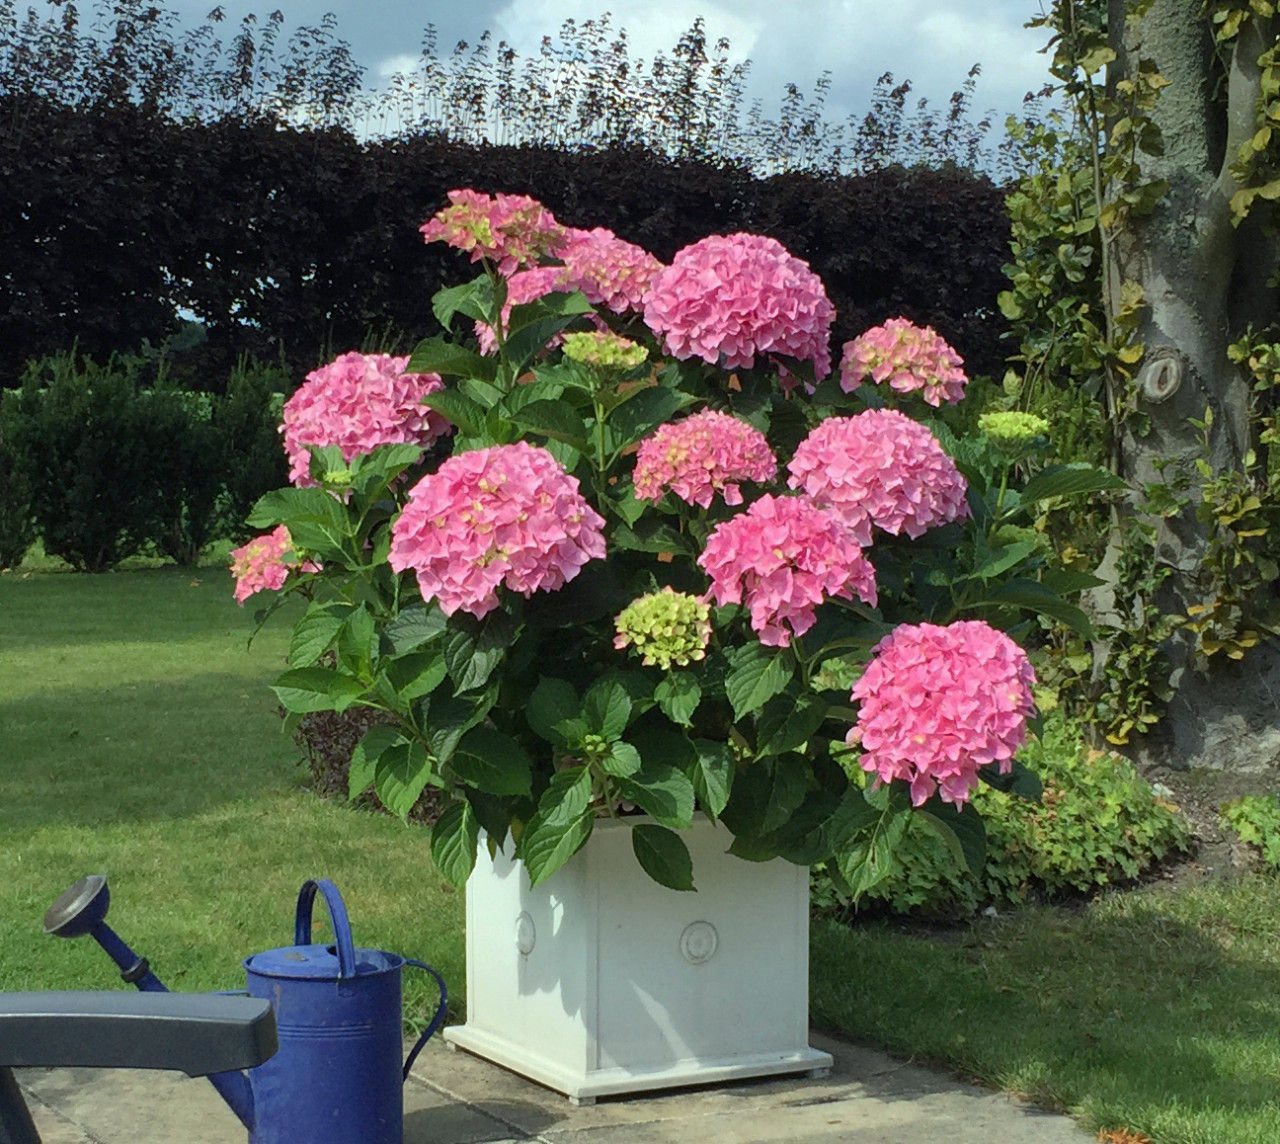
[(665, 628), (1012, 430), (604, 348)]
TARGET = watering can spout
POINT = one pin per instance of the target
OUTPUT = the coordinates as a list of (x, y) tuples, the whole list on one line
[(82, 909)]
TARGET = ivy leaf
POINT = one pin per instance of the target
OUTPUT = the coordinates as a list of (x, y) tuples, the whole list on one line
[(663, 855)]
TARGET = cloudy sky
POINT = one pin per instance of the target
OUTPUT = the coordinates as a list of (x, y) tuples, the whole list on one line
[(931, 42)]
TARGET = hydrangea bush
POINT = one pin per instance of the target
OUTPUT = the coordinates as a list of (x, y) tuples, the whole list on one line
[(618, 543)]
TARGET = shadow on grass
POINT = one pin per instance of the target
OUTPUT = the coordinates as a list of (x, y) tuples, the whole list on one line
[(140, 751), (1124, 1014)]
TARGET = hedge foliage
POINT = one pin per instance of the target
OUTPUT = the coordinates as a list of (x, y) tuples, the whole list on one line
[(283, 240), (101, 465)]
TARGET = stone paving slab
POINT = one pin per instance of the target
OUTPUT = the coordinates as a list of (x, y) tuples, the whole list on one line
[(455, 1098)]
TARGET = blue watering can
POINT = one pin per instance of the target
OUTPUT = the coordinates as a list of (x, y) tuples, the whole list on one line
[(337, 1077)]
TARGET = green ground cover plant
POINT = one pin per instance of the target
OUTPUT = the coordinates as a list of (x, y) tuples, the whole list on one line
[(141, 740), (1097, 823)]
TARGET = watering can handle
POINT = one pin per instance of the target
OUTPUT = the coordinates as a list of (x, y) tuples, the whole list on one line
[(437, 1019), (337, 915)]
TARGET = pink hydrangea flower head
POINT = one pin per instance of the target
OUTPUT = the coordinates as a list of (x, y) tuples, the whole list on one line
[(729, 299), (510, 230), (880, 468), (783, 557), (264, 563), (909, 358), (936, 704), (358, 402), (700, 456), (507, 515), (608, 270)]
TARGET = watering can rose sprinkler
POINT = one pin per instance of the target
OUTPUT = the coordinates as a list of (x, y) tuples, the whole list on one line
[(337, 1077)]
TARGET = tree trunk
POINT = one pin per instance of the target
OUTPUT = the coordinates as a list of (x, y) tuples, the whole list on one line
[(1203, 282)]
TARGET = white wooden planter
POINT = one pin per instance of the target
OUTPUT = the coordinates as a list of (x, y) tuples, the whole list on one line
[(600, 981)]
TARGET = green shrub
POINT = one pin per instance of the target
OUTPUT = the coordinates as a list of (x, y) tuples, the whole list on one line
[(246, 419), (102, 466), (17, 529), (84, 442), (1256, 820), (1098, 822)]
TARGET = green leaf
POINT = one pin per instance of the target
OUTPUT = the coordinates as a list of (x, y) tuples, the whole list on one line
[(1070, 480), (294, 507), (493, 762), (678, 695), (756, 675), (414, 626), (662, 792), (453, 843), (1035, 597), (557, 420), (622, 761), (532, 325), (404, 769), (1002, 559), (961, 831), (786, 724), (439, 355), (355, 641), (313, 635), (822, 824), (416, 674), (607, 708), (446, 719), (466, 414), (567, 797), (364, 759), (545, 847), (553, 701), (310, 689), (663, 855), (1020, 781), (713, 776), (765, 794), (869, 859), (473, 649), (643, 413), (471, 298)]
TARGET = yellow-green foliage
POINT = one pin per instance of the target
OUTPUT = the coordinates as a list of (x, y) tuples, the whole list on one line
[(1098, 823)]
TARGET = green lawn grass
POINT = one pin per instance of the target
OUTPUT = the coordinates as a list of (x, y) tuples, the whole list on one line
[(1151, 1010), (139, 738)]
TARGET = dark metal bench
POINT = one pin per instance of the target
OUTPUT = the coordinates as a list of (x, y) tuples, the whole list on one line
[(196, 1033)]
